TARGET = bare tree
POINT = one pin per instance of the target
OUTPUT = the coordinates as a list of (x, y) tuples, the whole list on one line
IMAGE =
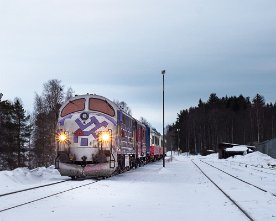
[(69, 94), (45, 120), (145, 122), (123, 106)]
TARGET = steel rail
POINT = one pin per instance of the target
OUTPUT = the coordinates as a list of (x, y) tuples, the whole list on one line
[(247, 166), (232, 200), (48, 196), (32, 188), (240, 179), (231, 161)]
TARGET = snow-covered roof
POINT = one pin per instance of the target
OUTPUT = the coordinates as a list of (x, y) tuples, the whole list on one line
[(239, 148), (209, 150)]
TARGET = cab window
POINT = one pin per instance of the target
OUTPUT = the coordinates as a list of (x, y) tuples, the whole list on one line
[(73, 106), (102, 106)]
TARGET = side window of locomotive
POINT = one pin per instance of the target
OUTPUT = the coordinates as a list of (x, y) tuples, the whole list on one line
[(102, 106), (73, 106)]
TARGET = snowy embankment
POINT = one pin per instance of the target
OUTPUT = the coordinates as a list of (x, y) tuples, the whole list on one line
[(23, 178), (257, 159)]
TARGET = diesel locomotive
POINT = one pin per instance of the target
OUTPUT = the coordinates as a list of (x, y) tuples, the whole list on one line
[(96, 138)]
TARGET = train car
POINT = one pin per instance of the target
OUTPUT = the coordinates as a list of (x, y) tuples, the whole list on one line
[(96, 138), (156, 149)]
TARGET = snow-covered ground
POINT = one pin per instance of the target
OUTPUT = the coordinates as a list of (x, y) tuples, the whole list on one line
[(179, 191), (22, 178), (261, 205)]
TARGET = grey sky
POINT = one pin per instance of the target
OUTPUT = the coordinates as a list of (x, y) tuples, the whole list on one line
[(118, 48)]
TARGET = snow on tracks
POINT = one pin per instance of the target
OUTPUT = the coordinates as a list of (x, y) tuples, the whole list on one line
[(258, 204), (21, 198)]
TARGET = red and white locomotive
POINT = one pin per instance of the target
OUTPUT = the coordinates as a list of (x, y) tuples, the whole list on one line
[(96, 138)]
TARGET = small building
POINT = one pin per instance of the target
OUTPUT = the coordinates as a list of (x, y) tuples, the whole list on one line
[(236, 150), (226, 150)]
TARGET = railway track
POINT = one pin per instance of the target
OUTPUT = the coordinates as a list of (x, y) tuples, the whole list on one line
[(270, 171), (13, 200), (221, 190), (250, 200), (32, 188), (3, 196), (252, 165), (242, 180), (255, 167)]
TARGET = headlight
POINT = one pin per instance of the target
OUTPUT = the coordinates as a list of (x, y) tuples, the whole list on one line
[(104, 136), (62, 137)]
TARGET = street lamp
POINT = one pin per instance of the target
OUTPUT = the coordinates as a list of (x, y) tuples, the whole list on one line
[(178, 140), (163, 73)]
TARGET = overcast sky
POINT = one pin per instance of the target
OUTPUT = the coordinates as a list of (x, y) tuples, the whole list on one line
[(118, 48)]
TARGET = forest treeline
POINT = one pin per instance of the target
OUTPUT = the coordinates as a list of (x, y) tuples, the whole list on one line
[(226, 119), (28, 140)]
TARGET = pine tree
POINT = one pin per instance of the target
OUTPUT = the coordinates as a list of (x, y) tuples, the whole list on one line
[(22, 132), (6, 135), (14, 134), (258, 104)]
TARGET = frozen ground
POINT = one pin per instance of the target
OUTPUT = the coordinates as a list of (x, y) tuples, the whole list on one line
[(177, 192), (22, 178)]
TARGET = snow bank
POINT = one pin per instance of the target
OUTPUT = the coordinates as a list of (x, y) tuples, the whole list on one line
[(256, 158), (15, 179), (26, 176)]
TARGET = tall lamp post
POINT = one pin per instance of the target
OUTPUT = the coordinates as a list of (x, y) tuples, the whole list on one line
[(163, 73), (178, 140)]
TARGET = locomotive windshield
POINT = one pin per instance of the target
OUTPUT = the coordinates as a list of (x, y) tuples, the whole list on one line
[(73, 106), (103, 106)]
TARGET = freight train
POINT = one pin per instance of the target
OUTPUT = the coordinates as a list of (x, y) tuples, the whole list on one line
[(96, 138)]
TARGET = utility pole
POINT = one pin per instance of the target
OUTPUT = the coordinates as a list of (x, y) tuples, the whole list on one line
[(163, 73)]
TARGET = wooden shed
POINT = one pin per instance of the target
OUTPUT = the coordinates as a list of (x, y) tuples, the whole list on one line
[(226, 150)]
